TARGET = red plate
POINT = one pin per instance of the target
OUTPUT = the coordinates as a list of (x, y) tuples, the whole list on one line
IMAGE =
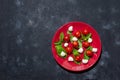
[(96, 43)]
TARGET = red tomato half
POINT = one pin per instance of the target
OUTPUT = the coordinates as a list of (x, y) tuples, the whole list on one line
[(75, 44), (85, 44), (89, 53), (67, 38), (85, 32), (69, 50), (78, 58), (77, 34)]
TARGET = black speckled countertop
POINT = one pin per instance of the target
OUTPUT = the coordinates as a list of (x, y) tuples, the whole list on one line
[(27, 28)]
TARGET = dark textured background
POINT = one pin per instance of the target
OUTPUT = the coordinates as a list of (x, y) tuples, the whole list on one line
[(27, 28)]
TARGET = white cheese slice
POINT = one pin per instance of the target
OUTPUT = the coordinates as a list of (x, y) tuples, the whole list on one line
[(70, 28), (90, 40), (70, 58), (65, 44), (80, 50), (74, 39), (94, 49), (62, 53), (85, 61)]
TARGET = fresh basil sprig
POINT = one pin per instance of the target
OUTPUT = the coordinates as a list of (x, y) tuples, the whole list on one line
[(86, 37), (60, 39), (75, 52), (77, 62), (80, 44), (68, 32), (59, 49), (61, 36), (85, 56)]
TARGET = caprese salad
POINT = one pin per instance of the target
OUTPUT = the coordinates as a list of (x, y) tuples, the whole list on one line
[(76, 47)]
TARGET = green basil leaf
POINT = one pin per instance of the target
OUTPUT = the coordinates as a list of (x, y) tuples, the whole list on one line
[(68, 32), (59, 49), (75, 52), (71, 38), (88, 36), (58, 43), (80, 44), (77, 62), (85, 56), (89, 48), (83, 37), (61, 36)]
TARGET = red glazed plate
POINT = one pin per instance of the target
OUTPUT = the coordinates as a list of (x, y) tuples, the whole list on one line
[(96, 43)]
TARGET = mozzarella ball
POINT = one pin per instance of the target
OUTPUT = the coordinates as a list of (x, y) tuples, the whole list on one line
[(70, 58), (90, 40), (80, 50), (70, 28), (94, 49), (85, 61), (62, 53), (65, 44), (74, 39)]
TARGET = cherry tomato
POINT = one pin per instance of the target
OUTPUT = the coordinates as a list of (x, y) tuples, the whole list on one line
[(75, 44), (78, 58), (69, 50), (89, 53), (67, 38), (85, 44), (77, 34), (85, 32)]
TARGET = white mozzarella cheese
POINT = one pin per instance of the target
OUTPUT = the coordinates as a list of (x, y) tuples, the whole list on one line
[(70, 28), (94, 49), (90, 40), (85, 61), (65, 44), (80, 50), (74, 39), (70, 58), (62, 53)]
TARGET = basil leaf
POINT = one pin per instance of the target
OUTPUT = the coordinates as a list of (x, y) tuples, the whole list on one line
[(86, 57), (80, 44), (58, 43), (89, 48), (83, 37), (68, 32), (76, 62), (86, 37), (71, 38), (75, 52), (59, 49), (61, 36)]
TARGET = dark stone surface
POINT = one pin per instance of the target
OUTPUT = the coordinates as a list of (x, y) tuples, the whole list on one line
[(27, 28)]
